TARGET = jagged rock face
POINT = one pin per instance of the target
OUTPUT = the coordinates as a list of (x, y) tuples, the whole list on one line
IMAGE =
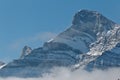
[(84, 43), (107, 50), (91, 22), (26, 51), (108, 59)]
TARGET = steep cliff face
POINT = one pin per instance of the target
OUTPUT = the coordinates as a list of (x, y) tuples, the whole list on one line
[(92, 41), (108, 59), (105, 50)]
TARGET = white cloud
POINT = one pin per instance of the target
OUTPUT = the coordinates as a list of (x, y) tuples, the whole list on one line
[(38, 38), (65, 74), (43, 36)]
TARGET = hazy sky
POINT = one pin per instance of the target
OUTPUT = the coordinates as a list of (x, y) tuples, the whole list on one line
[(32, 22)]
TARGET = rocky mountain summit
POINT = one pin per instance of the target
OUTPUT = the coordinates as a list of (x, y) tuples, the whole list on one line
[(26, 51), (91, 42)]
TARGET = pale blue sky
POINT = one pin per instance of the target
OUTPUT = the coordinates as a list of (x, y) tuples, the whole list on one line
[(32, 22)]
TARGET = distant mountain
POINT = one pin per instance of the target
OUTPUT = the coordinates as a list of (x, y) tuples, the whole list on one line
[(92, 42), (26, 51)]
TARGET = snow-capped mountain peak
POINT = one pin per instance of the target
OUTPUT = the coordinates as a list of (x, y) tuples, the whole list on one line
[(92, 41), (92, 20), (85, 16), (87, 26)]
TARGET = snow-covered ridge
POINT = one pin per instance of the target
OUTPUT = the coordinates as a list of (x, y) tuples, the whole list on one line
[(106, 42)]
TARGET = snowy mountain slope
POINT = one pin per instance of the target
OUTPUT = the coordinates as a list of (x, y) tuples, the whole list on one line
[(38, 62), (108, 59), (106, 42), (109, 51), (104, 53), (91, 40)]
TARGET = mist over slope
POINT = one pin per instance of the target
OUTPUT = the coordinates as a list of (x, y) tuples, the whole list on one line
[(65, 74)]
